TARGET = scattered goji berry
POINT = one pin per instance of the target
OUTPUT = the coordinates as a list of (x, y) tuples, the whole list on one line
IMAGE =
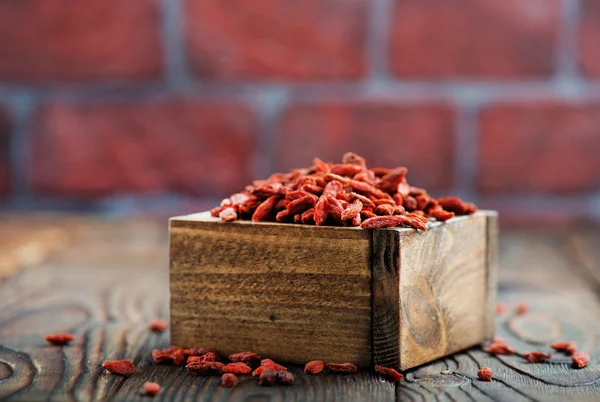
[(499, 347), (285, 378), (258, 371), (229, 380), (536, 357), (179, 357), (151, 388), (485, 374), (205, 368), (161, 357), (341, 367), (267, 378), (158, 325), (501, 308), (119, 367), (568, 347), (522, 308), (580, 359), (271, 365), (314, 367), (60, 339), (237, 368), (250, 358), (389, 373)]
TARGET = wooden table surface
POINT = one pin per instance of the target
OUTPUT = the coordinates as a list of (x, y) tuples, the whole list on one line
[(103, 280)]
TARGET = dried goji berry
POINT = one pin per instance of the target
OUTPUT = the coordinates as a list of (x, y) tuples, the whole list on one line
[(308, 216), (580, 359), (161, 357), (301, 204), (341, 367), (485, 374), (335, 208), (499, 347), (267, 378), (119, 367), (352, 210), (265, 208), (237, 368), (151, 388), (346, 169), (250, 358), (205, 368), (378, 222), (351, 157), (228, 215), (158, 325), (285, 378), (259, 371), (228, 380), (179, 358), (321, 211), (522, 308), (391, 181), (271, 365), (501, 308), (198, 352), (568, 347), (441, 215), (314, 367), (384, 209), (389, 373), (60, 339), (409, 203), (536, 357)]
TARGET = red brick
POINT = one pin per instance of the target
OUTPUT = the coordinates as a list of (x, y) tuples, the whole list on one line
[(152, 147), (73, 40), (277, 39), (5, 127), (589, 38), (419, 137), (539, 147), (478, 38)]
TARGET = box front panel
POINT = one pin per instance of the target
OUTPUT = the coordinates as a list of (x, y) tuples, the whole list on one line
[(292, 293)]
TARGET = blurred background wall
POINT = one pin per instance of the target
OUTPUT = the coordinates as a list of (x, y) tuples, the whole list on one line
[(143, 105)]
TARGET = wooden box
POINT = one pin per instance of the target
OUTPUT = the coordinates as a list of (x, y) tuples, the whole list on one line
[(296, 293)]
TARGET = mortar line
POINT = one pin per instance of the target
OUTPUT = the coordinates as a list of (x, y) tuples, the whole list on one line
[(465, 150), (377, 42), (22, 108), (175, 57)]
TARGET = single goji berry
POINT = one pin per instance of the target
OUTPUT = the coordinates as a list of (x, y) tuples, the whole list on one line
[(568, 347), (485, 374), (237, 368), (453, 204), (228, 380), (271, 365), (410, 204), (341, 367), (158, 325), (161, 356), (352, 210), (267, 378), (314, 367), (580, 359), (258, 371), (205, 368), (352, 158), (321, 211), (378, 222), (228, 215), (522, 308), (501, 308), (536, 357), (265, 208), (179, 358), (390, 182), (119, 367), (151, 388), (60, 339), (285, 378), (499, 347), (389, 373), (441, 215)]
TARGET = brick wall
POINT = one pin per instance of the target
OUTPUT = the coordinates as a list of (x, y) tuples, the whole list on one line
[(168, 104)]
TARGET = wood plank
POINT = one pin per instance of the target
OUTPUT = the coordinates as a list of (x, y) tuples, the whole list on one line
[(293, 292), (538, 269), (107, 300)]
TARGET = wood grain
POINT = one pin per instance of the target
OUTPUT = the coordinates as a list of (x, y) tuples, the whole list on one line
[(438, 285), (293, 292)]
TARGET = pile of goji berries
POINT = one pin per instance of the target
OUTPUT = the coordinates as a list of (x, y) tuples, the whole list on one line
[(345, 194)]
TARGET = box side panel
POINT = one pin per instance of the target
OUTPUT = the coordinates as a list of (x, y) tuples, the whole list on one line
[(443, 290), (492, 272), (291, 293)]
